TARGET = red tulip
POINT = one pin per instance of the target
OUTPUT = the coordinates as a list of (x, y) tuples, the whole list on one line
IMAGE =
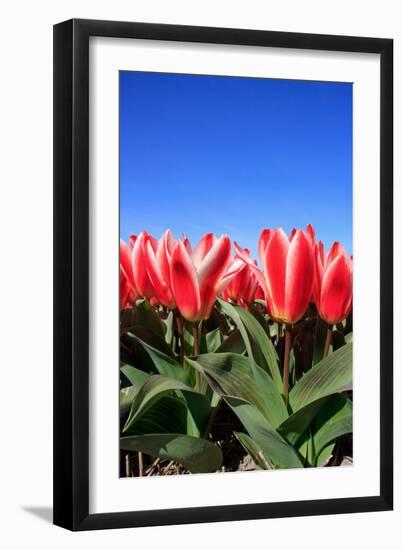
[(242, 288), (287, 278), (142, 281), (199, 277), (158, 265), (333, 289)]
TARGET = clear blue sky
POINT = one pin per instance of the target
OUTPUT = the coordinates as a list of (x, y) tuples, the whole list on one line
[(234, 155)]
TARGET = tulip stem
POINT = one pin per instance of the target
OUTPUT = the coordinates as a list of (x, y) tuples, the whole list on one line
[(328, 341), (196, 351), (286, 370), (196, 347), (179, 325)]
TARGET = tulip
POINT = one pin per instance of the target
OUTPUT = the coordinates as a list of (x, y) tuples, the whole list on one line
[(288, 274), (158, 265), (197, 278), (142, 280), (242, 289), (333, 289)]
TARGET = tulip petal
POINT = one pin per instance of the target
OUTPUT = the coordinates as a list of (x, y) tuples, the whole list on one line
[(255, 270), (202, 248), (233, 277), (334, 251), (154, 271), (185, 286), (275, 263), (211, 271), (310, 233), (337, 289), (262, 244), (299, 277), (141, 279), (318, 271), (126, 262)]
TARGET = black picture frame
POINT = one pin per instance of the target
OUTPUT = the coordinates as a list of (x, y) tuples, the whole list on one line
[(71, 274)]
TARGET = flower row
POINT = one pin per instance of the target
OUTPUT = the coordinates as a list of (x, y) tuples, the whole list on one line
[(296, 270)]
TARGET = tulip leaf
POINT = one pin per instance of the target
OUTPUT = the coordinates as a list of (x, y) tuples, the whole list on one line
[(145, 316), (332, 421), (150, 392), (165, 364), (135, 376), (232, 374), (331, 375), (269, 441), (197, 407), (211, 341), (150, 338), (234, 342), (258, 345), (294, 427), (126, 396), (324, 455), (195, 454), (254, 451), (167, 415)]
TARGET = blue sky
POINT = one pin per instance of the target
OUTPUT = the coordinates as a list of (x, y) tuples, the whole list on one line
[(234, 155)]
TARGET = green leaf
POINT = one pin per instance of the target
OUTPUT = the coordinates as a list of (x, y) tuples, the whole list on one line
[(254, 451), (126, 396), (232, 374), (259, 347), (324, 454), (165, 364), (145, 316), (332, 375), (156, 341), (195, 454), (294, 427), (167, 415), (333, 421), (278, 451), (149, 393), (211, 341), (234, 343), (135, 376)]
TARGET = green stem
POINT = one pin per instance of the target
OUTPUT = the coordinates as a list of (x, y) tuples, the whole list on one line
[(328, 341), (179, 325), (286, 370), (196, 351)]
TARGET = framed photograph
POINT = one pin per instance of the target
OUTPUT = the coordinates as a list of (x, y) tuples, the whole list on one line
[(223, 320)]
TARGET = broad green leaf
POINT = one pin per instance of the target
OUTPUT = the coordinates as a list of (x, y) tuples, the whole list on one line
[(293, 428), (150, 338), (349, 338), (254, 451), (126, 396), (211, 341), (278, 451), (198, 414), (331, 375), (167, 415), (259, 347), (135, 376), (234, 343), (324, 454), (232, 374), (149, 393), (332, 422), (165, 364), (168, 322), (195, 454), (145, 316)]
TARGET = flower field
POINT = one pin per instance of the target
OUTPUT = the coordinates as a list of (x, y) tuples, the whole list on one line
[(229, 362)]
